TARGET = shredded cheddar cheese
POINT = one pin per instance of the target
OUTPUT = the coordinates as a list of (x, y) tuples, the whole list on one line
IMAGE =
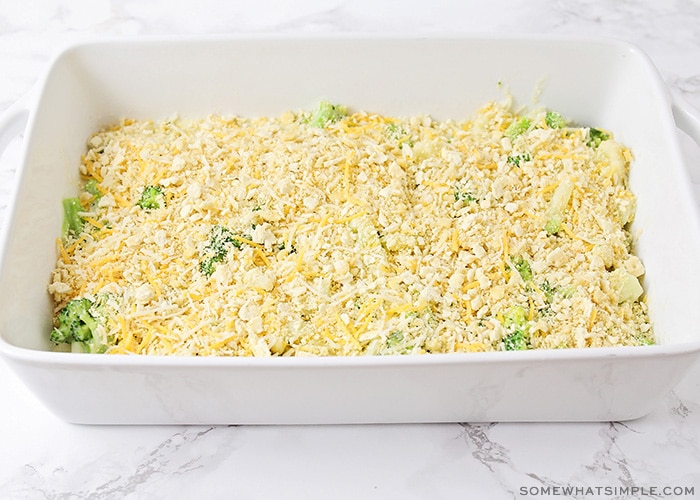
[(371, 235)]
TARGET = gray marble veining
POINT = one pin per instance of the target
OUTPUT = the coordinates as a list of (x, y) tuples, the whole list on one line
[(43, 457)]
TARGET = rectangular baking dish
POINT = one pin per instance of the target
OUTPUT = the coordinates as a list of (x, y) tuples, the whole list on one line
[(596, 82)]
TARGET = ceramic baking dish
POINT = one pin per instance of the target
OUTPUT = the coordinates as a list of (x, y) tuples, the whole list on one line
[(595, 82)]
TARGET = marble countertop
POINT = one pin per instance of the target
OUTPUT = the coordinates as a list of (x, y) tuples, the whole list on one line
[(44, 457)]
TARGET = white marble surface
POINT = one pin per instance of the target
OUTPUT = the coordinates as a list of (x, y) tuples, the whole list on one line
[(43, 457)]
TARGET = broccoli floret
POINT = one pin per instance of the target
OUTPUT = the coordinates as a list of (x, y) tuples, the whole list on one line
[(465, 196), (398, 133), (548, 291), (73, 223), (76, 323), (644, 340), (554, 120), (516, 341), (327, 113), (516, 159), (394, 131), (567, 292), (150, 198), (282, 246), (463, 193), (220, 240), (516, 324), (557, 205), (517, 128), (394, 338), (553, 225), (523, 267), (206, 266), (91, 187), (596, 136)]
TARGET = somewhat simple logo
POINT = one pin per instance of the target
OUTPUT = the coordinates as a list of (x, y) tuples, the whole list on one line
[(616, 491)]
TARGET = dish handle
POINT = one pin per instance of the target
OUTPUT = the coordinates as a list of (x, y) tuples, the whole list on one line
[(687, 118), (13, 122)]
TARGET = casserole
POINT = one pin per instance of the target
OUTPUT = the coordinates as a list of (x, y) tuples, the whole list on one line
[(601, 83)]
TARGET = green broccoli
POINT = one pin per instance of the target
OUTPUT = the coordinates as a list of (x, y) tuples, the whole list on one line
[(516, 341), (73, 223), (220, 240), (150, 198), (394, 338), (557, 205), (92, 187), (567, 292), (517, 128), (516, 159), (643, 339), (77, 324), (282, 246), (523, 267), (466, 196), (327, 113), (395, 131), (596, 136), (553, 225), (548, 291), (516, 324), (398, 133), (554, 120)]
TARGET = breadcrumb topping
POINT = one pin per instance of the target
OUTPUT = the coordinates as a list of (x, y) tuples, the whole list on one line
[(365, 234)]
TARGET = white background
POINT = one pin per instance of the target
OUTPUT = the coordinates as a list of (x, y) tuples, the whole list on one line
[(43, 457)]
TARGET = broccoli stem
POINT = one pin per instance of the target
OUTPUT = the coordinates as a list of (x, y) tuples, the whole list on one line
[(72, 221)]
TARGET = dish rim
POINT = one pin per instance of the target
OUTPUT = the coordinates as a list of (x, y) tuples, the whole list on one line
[(536, 355)]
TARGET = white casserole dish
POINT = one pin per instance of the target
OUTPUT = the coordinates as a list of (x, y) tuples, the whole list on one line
[(601, 83)]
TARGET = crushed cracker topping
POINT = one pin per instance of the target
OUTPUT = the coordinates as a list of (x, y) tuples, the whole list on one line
[(367, 234)]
